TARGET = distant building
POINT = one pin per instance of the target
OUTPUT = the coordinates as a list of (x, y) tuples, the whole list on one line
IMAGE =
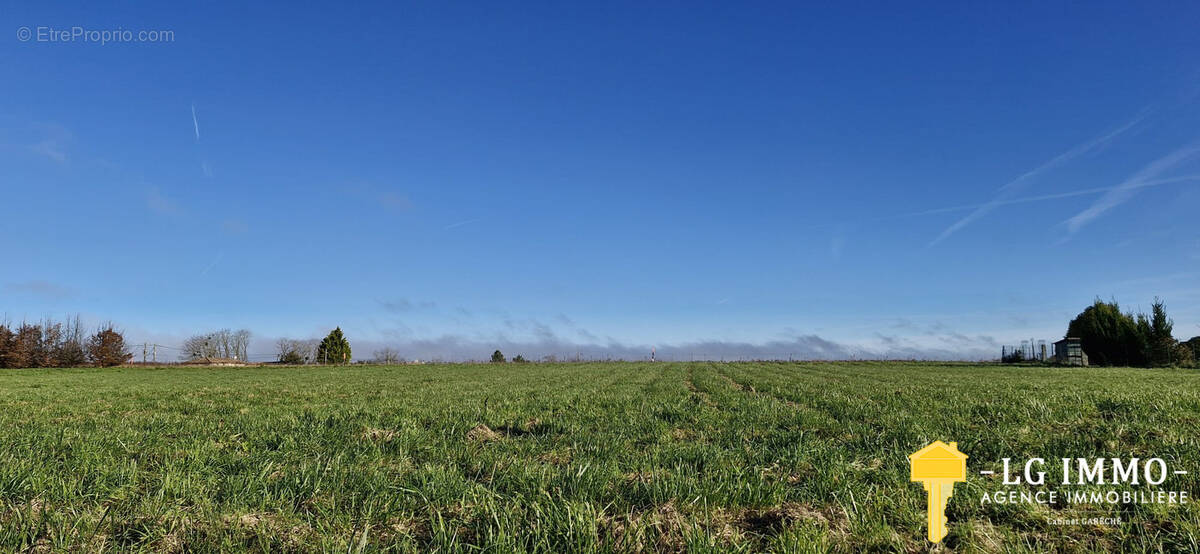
[(1069, 351)]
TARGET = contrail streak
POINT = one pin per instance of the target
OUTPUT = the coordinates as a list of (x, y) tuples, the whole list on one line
[(1023, 180), (195, 123), (1022, 200), (213, 264), (461, 223), (1124, 191), (1027, 199)]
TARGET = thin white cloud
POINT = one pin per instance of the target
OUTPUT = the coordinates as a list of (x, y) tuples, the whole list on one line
[(195, 123), (1024, 179), (395, 201), (54, 141), (234, 226), (836, 245), (50, 148), (41, 288), (1124, 191), (160, 204), (400, 305)]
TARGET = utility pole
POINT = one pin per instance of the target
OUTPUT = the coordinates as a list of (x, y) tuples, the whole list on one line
[(154, 354), (143, 353)]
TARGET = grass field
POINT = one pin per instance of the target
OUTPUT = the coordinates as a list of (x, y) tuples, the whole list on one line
[(570, 457)]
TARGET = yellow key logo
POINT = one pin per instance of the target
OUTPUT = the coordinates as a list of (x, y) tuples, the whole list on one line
[(938, 466)]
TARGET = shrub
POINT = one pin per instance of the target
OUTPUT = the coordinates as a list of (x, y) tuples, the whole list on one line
[(1193, 344), (1182, 356), (498, 357), (291, 357)]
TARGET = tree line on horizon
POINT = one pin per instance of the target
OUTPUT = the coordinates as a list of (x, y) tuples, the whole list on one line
[(1111, 337), (50, 343), (333, 349), (1108, 336), (228, 344)]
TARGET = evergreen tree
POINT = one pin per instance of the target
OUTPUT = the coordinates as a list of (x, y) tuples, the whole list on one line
[(334, 349), (1161, 326), (498, 357), (107, 348), (7, 345), (1160, 345), (1143, 341)]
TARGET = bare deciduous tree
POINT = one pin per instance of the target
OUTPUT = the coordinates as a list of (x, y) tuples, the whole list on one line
[(47, 351), (292, 352), (217, 344), (240, 342), (296, 352), (70, 351), (198, 347), (387, 356)]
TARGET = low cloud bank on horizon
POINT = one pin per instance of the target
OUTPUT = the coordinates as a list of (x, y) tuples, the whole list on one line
[(453, 348)]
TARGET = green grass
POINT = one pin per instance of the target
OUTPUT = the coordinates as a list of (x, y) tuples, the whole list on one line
[(574, 457)]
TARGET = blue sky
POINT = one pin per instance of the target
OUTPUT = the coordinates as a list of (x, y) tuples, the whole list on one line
[(616, 176)]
